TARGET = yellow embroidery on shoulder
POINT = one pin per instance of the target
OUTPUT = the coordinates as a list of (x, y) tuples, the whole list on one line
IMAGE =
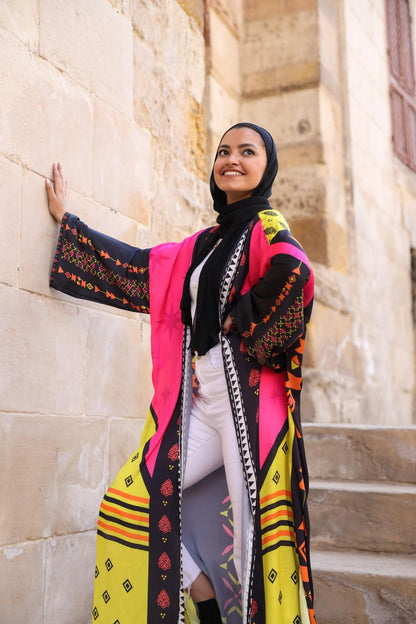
[(273, 222)]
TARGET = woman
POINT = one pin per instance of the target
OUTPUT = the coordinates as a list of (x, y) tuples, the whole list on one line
[(228, 309)]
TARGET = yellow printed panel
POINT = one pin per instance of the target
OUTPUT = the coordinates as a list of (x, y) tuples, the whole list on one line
[(273, 222), (121, 574), (282, 578)]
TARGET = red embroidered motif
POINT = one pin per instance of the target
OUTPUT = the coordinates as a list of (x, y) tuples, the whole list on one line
[(163, 599), (243, 348), (254, 378), (173, 453), (164, 524), (253, 607), (166, 488), (164, 562)]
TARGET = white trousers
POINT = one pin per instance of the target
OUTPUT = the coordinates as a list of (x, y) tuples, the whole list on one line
[(211, 443)]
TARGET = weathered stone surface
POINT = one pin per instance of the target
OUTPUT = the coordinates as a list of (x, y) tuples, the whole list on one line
[(10, 185), (22, 583), (262, 9), (118, 368), (125, 437), (195, 9), (373, 517), (272, 81), (122, 164), (21, 17), (44, 371), (335, 355), (180, 60), (232, 13), (355, 588), (92, 42), (361, 453), (64, 558), (298, 117), (329, 396), (40, 101), (59, 475), (284, 41), (224, 46), (223, 113), (299, 193), (300, 154), (311, 233)]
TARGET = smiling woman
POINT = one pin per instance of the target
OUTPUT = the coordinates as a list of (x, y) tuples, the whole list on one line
[(240, 163), (228, 309)]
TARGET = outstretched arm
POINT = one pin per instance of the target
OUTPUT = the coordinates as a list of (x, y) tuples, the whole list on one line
[(90, 265)]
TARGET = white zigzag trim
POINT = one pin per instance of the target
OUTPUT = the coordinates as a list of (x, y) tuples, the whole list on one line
[(239, 417), (186, 399)]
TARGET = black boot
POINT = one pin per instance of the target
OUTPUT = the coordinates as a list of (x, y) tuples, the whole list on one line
[(208, 612)]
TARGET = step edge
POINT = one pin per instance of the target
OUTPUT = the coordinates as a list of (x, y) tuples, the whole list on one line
[(390, 488), (358, 427), (364, 564)]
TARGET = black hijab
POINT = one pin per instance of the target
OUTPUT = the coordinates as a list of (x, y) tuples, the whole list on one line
[(232, 219)]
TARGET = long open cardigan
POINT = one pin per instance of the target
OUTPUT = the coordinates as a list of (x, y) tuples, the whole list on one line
[(267, 287)]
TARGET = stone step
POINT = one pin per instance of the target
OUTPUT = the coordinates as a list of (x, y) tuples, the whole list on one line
[(361, 452), (363, 516), (357, 588)]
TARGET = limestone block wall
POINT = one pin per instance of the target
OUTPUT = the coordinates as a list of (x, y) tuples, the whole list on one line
[(111, 90), (383, 217), (315, 72), (224, 31), (292, 81)]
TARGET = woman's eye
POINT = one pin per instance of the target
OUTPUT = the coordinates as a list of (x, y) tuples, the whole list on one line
[(222, 152), (248, 151)]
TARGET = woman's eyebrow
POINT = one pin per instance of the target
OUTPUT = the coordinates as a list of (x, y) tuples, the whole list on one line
[(239, 146)]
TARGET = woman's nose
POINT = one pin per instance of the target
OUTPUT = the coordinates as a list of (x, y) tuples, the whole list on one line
[(233, 158)]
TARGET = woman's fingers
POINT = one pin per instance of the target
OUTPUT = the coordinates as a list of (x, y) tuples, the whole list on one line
[(57, 192), (228, 323), (49, 190), (59, 178)]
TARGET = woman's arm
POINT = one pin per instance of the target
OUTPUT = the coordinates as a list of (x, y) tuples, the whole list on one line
[(90, 265), (270, 316)]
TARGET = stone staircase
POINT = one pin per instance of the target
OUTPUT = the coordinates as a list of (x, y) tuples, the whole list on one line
[(362, 504)]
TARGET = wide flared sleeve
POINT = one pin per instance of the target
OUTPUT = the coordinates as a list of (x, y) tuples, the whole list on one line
[(270, 316), (90, 265)]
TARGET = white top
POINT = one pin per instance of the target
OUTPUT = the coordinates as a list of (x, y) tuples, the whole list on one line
[(194, 282)]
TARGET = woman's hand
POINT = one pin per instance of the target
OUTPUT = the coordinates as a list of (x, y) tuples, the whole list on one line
[(228, 323), (57, 202)]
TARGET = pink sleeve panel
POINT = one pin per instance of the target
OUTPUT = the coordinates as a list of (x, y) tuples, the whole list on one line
[(168, 265)]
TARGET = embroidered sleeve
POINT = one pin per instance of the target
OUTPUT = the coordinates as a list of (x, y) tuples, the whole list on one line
[(93, 266), (269, 317)]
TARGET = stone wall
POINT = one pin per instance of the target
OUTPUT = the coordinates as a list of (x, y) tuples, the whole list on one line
[(315, 72), (111, 90), (384, 219)]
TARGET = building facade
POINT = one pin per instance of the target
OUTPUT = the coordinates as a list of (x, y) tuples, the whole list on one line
[(132, 96)]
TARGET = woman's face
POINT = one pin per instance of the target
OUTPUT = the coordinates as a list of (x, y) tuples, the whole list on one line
[(240, 164)]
